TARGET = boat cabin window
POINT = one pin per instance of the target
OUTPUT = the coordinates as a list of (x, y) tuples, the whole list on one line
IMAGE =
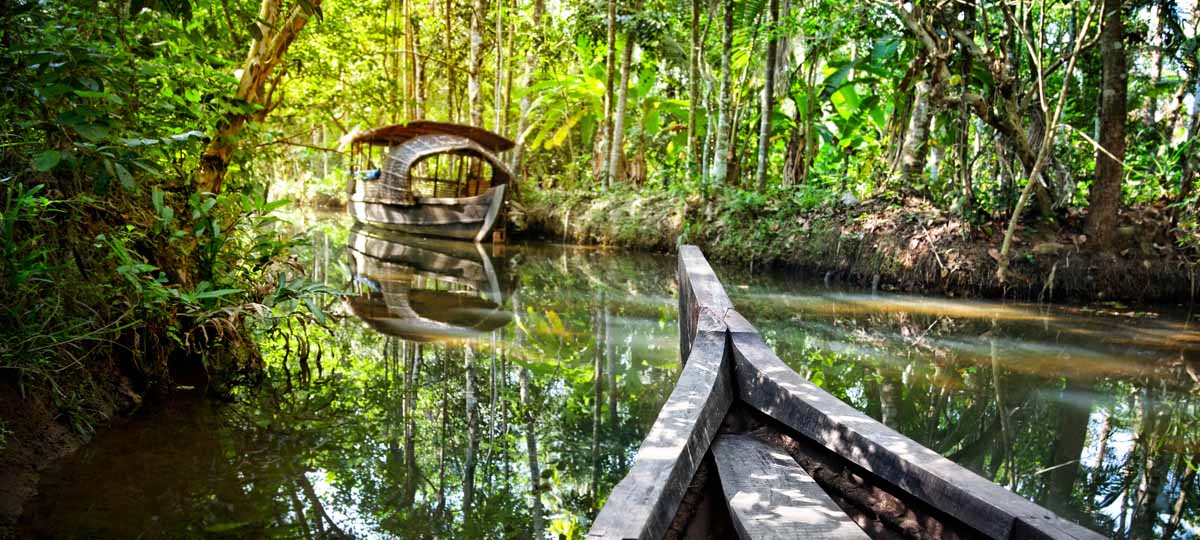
[(451, 175)]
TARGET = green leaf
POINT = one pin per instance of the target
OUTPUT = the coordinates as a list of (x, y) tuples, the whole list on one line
[(216, 293), (92, 132), (112, 98), (226, 527), (314, 309), (45, 161), (274, 205), (124, 176), (884, 48), (560, 135)]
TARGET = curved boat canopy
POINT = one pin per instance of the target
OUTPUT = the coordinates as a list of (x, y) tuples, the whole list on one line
[(408, 145), (399, 133)]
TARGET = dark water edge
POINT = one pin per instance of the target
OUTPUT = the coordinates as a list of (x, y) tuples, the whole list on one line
[(384, 425)]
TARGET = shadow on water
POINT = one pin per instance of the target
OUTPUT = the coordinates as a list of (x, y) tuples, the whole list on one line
[(489, 392)]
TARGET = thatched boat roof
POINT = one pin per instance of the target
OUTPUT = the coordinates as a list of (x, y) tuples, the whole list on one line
[(399, 133)]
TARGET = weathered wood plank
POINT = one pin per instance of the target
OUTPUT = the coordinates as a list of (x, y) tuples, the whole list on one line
[(772, 498), (764, 382), (644, 503), (702, 300)]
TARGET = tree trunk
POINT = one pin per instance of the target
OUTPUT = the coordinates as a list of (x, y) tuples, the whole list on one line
[(264, 55), (720, 159), (616, 154), (768, 101), (443, 443), (472, 435), (597, 400), (694, 86), (450, 71), (531, 451), (916, 138), (531, 65), (610, 61), (793, 161), (412, 352), (1105, 196), (410, 58), (498, 77), (419, 65), (1191, 158), (475, 59)]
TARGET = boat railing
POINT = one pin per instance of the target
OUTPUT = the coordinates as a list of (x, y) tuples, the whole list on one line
[(727, 363)]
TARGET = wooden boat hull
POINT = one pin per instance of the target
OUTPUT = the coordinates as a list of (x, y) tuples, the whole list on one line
[(466, 218), (738, 446)]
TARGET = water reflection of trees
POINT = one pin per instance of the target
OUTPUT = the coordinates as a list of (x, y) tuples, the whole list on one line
[(1092, 416), (355, 434)]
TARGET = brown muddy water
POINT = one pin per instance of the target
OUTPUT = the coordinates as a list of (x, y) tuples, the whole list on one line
[(459, 392)]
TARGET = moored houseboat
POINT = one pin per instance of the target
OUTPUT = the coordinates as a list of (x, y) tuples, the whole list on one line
[(430, 179)]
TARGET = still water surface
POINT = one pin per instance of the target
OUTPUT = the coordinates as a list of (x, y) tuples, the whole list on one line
[(453, 384)]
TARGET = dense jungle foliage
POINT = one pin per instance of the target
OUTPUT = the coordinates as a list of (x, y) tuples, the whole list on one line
[(148, 146), (147, 143)]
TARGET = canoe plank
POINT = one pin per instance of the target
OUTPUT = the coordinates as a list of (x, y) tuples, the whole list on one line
[(767, 384), (643, 505), (771, 497)]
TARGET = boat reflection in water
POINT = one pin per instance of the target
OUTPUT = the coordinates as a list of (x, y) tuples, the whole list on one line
[(423, 289)]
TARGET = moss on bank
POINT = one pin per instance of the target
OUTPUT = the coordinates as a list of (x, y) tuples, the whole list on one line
[(909, 246)]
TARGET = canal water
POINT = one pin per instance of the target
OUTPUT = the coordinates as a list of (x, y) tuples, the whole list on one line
[(453, 383)]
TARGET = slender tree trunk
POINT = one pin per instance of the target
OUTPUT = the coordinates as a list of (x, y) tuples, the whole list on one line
[(531, 452), (709, 132), (451, 86), (410, 46), (1158, 41), (1191, 158), (610, 61), (611, 367), (472, 435), (616, 155), (694, 54), (443, 443), (597, 401), (418, 61), (1105, 196), (966, 208), (720, 160), (474, 87), (412, 359), (768, 101), (531, 65), (264, 55), (498, 78)]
